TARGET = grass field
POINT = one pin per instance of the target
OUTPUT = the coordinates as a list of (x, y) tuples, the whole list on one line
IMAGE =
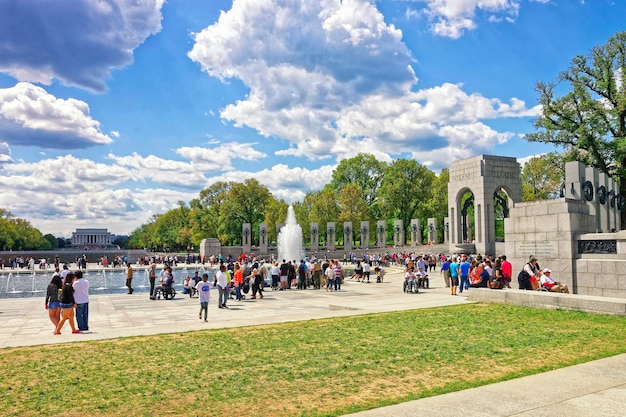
[(313, 368)]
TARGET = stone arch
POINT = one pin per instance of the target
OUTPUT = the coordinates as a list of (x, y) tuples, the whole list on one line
[(482, 175)]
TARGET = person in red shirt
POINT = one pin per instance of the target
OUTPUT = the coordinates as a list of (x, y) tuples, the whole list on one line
[(507, 270)]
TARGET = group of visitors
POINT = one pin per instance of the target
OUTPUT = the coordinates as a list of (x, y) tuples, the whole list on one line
[(462, 272), (67, 300)]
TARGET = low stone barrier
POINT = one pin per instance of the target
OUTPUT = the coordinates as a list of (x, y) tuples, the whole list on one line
[(541, 299)]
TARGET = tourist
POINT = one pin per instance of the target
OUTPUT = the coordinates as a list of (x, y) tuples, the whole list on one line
[(222, 285), (284, 275), (317, 274), (67, 305), (81, 298), (358, 271), (480, 277), (329, 273), (260, 279), (366, 271), (302, 275), (338, 275), (204, 292), (464, 270), (129, 279), (507, 271), (291, 281), (238, 281), (275, 272), (550, 284), (454, 275), (531, 268), (445, 270), (152, 278), (53, 305)]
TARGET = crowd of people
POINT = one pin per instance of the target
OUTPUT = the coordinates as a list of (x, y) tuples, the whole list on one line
[(67, 301)]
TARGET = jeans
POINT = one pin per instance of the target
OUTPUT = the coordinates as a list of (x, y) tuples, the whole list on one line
[(223, 296), (82, 316), (204, 306), (464, 283), (238, 293)]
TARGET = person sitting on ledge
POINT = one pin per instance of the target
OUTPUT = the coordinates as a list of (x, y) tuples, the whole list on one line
[(550, 284), (480, 278)]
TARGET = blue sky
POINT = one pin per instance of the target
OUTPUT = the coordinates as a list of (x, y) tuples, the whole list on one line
[(113, 111)]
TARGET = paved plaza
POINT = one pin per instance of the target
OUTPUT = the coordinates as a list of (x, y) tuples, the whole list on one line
[(594, 389)]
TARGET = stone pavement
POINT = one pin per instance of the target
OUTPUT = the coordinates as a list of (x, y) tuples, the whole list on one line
[(594, 389)]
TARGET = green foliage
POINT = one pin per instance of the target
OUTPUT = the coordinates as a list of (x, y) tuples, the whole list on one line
[(590, 119), (18, 234), (543, 176)]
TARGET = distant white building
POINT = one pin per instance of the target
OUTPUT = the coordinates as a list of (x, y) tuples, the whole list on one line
[(91, 237)]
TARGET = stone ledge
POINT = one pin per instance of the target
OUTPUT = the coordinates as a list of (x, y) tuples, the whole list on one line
[(541, 299)]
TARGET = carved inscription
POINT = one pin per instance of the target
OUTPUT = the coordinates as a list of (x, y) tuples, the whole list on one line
[(539, 249)]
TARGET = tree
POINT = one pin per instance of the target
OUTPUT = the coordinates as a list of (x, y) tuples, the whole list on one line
[(543, 176), (352, 207), (54, 243), (589, 120), (365, 171), (406, 191), (323, 209), (245, 204)]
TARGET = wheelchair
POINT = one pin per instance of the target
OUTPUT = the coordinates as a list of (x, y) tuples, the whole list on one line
[(168, 292), (410, 286)]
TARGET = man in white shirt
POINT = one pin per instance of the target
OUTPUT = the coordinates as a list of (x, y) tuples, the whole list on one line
[(550, 284)]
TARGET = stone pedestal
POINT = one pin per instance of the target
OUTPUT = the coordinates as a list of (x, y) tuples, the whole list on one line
[(398, 233), (315, 237), (416, 232), (381, 233), (331, 232), (365, 235), (210, 247), (432, 230), (263, 244), (246, 238), (347, 236)]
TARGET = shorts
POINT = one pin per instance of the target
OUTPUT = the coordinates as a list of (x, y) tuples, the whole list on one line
[(54, 304), (283, 278), (454, 281), (66, 305)]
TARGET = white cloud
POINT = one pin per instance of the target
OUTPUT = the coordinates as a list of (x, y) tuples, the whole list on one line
[(77, 42), (452, 18), (29, 116), (219, 158), (331, 78), (5, 152)]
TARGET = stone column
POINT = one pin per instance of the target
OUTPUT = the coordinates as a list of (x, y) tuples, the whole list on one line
[(416, 234), (398, 233), (347, 236), (330, 235), (432, 230), (603, 203), (246, 241), (315, 237), (592, 178), (381, 233), (263, 238), (446, 230), (365, 235)]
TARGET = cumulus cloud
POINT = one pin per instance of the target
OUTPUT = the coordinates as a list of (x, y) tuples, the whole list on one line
[(5, 152), (333, 77), (77, 42), (219, 158), (29, 116), (452, 18)]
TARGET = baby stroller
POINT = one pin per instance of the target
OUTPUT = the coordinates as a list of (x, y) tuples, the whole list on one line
[(245, 288), (232, 293)]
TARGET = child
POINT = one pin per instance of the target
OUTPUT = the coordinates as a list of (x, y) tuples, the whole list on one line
[(204, 289)]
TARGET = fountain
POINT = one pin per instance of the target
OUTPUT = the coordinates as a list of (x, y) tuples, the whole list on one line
[(290, 239)]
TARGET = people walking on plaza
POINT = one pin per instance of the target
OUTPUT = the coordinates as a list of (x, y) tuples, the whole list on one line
[(338, 275), (53, 303), (222, 284), (454, 275), (204, 292), (152, 278), (367, 268), (129, 279), (445, 270), (464, 270), (67, 305), (330, 277), (81, 298), (238, 281), (317, 274)]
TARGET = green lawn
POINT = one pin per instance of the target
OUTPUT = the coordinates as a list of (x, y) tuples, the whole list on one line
[(310, 368)]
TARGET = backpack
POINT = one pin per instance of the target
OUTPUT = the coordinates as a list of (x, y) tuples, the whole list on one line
[(301, 269), (523, 277)]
